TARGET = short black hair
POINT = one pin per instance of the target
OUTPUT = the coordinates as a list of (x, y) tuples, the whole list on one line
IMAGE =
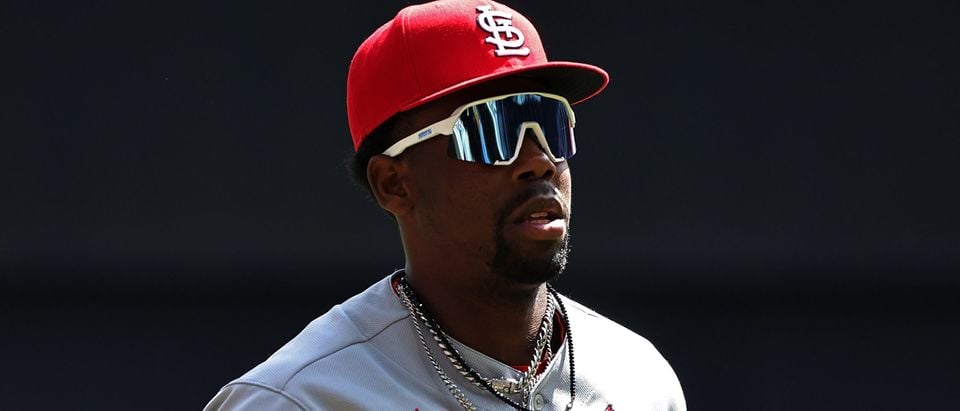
[(375, 143)]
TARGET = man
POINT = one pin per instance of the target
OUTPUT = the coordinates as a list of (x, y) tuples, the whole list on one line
[(463, 130)]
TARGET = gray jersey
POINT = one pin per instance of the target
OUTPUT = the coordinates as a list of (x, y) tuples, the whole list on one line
[(364, 354)]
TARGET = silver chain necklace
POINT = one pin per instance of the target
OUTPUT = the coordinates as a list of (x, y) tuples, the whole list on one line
[(451, 386), (498, 387)]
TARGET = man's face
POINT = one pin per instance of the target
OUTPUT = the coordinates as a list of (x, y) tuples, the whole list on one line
[(512, 219)]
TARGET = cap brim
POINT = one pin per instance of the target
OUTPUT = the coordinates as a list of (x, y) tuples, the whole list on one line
[(574, 81)]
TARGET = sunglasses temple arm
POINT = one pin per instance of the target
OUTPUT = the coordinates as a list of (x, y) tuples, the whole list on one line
[(443, 127)]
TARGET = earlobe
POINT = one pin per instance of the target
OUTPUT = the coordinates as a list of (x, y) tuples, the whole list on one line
[(387, 179)]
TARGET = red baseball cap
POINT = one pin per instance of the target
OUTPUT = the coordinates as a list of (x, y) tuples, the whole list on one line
[(430, 50)]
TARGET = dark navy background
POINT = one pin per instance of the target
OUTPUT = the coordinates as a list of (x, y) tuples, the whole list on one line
[(767, 191)]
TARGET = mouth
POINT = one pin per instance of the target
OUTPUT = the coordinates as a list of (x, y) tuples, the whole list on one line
[(542, 218)]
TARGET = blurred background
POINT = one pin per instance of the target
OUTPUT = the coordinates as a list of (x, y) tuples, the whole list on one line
[(767, 191)]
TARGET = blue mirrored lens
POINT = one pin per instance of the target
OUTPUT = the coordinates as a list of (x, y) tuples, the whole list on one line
[(489, 132)]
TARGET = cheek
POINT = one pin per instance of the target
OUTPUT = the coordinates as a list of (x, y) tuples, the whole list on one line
[(564, 183), (472, 199), (457, 204)]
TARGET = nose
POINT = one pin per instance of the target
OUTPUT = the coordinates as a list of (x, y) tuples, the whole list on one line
[(533, 163)]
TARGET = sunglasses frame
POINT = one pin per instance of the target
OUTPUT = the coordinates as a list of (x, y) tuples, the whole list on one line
[(445, 128)]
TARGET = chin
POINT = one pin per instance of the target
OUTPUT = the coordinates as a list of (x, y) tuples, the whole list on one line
[(530, 267)]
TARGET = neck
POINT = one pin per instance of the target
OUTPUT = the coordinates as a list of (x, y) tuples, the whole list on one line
[(491, 315)]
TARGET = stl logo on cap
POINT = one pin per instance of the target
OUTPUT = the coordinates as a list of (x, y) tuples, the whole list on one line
[(508, 39)]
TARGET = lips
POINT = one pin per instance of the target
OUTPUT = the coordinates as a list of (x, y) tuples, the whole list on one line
[(541, 218)]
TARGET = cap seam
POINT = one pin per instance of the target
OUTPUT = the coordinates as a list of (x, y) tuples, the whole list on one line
[(413, 68)]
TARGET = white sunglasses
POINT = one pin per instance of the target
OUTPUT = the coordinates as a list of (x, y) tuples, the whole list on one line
[(490, 131)]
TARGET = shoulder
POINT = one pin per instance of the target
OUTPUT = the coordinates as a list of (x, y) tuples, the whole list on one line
[(339, 339), (253, 396), (596, 335), (594, 324), (618, 363)]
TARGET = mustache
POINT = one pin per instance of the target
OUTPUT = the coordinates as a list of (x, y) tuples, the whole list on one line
[(538, 189)]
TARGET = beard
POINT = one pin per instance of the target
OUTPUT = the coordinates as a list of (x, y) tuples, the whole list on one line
[(528, 267)]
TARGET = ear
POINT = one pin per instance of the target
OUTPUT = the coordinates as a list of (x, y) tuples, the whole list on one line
[(387, 177)]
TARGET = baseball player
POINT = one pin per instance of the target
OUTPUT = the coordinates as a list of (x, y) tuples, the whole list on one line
[(463, 131)]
